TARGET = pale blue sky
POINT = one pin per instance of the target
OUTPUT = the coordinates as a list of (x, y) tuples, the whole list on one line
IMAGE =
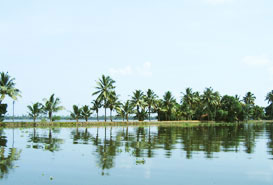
[(64, 46)]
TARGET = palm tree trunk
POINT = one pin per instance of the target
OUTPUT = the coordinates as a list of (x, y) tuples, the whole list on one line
[(104, 114), (138, 113), (111, 115), (104, 110), (97, 115), (149, 113)]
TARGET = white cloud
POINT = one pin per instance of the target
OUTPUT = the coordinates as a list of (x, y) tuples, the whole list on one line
[(215, 2), (256, 61), (143, 70), (121, 71)]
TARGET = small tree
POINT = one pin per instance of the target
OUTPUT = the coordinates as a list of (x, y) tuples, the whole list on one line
[(52, 105), (86, 112), (35, 110), (77, 113)]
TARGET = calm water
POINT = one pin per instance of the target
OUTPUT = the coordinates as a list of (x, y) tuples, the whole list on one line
[(237, 154)]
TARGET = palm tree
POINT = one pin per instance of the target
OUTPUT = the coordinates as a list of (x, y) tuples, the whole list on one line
[(159, 108), (113, 103), (150, 100), (138, 101), (7, 87), (269, 99), (35, 110), (126, 109), (189, 102), (52, 105), (105, 86), (86, 112), (121, 112), (210, 100), (249, 100), (77, 113), (96, 105), (169, 103)]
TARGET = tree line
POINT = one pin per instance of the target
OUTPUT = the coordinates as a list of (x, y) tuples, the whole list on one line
[(208, 105)]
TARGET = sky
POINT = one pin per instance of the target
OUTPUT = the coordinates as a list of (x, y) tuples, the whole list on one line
[(64, 47)]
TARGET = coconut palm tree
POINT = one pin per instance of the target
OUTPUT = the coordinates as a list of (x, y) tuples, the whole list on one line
[(7, 87), (249, 100), (159, 108), (150, 101), (52, 105), (210, 100), (168, 102), (105, 86), (269, 99), (113, 103), (96, 105), (35, 110), (86, 112), (77, 113), (138, 101), (189, 102), (126, 109)]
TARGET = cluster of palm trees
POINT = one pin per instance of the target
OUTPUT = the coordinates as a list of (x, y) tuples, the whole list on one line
[(49, 107), (209, 105)]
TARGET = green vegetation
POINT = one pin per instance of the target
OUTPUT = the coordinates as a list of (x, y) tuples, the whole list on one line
[(206, 106), (7, 88), (52, 105), (35, 110)]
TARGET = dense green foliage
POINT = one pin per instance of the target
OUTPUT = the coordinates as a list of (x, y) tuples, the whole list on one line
[(7, 88), (52, 105), (35, 110), (208, 106)]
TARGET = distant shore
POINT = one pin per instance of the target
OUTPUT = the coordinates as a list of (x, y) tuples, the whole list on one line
[(184, 123)]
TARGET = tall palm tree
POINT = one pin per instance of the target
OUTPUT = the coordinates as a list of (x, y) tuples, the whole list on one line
[(96, 105), (52, 105), (189, 102), (86, 112), (7, 87), (138, 101), (77, 113), (150, 100), (269, 99), (113, 103), (159, 108), (249, 100), (105, 86), (210, 100), (127, 109), (168, 102), (35, 110)]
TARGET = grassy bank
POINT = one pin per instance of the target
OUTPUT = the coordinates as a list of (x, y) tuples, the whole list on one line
[(103, 124)]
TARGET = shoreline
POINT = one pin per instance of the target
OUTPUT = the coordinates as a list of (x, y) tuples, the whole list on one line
[(184, 123)]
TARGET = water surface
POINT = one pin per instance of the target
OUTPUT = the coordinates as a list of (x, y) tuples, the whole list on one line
[(232, 154)]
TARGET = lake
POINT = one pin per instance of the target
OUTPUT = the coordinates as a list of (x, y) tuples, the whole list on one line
[(221, 155)]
